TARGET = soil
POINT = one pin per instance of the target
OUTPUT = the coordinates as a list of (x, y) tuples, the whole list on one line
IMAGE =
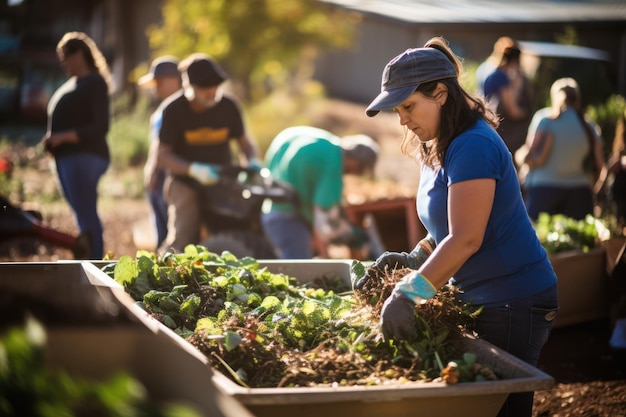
[(590, 377)]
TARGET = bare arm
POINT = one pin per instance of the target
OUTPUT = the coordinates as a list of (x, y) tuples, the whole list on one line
[(248, 146), (469, 206), (170, 161), (52, 140), (508, 99), (540, 150)]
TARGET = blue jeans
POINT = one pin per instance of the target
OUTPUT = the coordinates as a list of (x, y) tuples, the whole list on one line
[(159, 207), (79, 175), (289, 235), (521, 328)]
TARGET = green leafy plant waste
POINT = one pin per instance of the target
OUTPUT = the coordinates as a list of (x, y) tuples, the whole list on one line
[(264, 329)]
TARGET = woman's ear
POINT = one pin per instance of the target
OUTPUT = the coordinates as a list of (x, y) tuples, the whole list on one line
[(441, 94)]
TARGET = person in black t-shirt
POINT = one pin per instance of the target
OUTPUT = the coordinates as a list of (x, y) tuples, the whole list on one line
[(78, 122), (194, 142)]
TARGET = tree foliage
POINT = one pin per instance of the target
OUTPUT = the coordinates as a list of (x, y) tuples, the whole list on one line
[(261, 43)]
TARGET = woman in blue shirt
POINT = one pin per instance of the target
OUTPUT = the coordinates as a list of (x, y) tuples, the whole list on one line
[(480, 238)]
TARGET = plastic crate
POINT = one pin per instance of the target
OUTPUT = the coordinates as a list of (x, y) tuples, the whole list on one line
[(94, 330)]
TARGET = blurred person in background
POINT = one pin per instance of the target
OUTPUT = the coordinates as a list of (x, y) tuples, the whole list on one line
[(480, 239), (507, 90), (613, 173), (78, 122), (199, 123), (491, 63), (557, 181), (163, 80), (313, 161)]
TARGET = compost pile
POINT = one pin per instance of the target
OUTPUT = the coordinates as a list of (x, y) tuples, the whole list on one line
[(263, 329)]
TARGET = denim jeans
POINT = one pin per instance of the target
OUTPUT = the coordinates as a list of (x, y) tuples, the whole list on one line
[(521, 328), (159, 207), (79, 175), (289, 235)]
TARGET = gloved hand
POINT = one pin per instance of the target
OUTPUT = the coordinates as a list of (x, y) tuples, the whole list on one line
[(397, 260), (206, 174), (255, 164), (397, 318)]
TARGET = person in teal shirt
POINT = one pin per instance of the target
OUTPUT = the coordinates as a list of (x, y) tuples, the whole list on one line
[(313, 161)]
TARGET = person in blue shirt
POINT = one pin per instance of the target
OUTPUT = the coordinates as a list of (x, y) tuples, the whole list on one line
[(163, 79), (508, 92), (480, 238)]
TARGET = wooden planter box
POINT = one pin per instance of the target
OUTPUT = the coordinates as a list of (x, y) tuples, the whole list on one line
[(583, 286)]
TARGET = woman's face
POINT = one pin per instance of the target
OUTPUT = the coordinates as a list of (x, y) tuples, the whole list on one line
[(71, 61), (421, 114), (203, 97)]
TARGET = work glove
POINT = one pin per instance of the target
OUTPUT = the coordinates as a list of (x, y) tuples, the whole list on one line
[(390, 261), (397, 318), (205, 174)]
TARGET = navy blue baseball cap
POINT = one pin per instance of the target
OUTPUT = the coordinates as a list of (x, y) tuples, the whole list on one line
[(404, 73), (164, 66)]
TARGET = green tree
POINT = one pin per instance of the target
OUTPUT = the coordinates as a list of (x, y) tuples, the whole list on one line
[(263, 44)]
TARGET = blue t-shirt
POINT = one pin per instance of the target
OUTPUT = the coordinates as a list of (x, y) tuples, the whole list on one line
[(495, 82), (511, 263)]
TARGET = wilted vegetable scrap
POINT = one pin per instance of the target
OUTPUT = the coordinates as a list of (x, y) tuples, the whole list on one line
[(263, 329)]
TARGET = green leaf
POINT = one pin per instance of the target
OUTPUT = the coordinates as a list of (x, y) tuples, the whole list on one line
[(204, 324), (469, 358), (190, 305), (232, 340), (357, 271), (125, 271)]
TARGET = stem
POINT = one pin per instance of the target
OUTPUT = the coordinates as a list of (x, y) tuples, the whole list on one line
[(230, 370)]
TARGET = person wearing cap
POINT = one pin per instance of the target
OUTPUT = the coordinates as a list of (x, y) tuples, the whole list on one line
[(163, 80), (199, 123), (470, 203), (313, 161)]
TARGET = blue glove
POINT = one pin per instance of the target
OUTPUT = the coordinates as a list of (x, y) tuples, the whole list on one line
[(255, 164), (390, 261), (397, 318), (206, 174)]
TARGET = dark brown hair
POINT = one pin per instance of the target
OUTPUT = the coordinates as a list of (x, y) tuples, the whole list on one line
[(73, 42), (460, 111)]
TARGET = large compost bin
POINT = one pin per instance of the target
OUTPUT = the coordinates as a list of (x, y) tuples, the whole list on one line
[(396, 399)]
